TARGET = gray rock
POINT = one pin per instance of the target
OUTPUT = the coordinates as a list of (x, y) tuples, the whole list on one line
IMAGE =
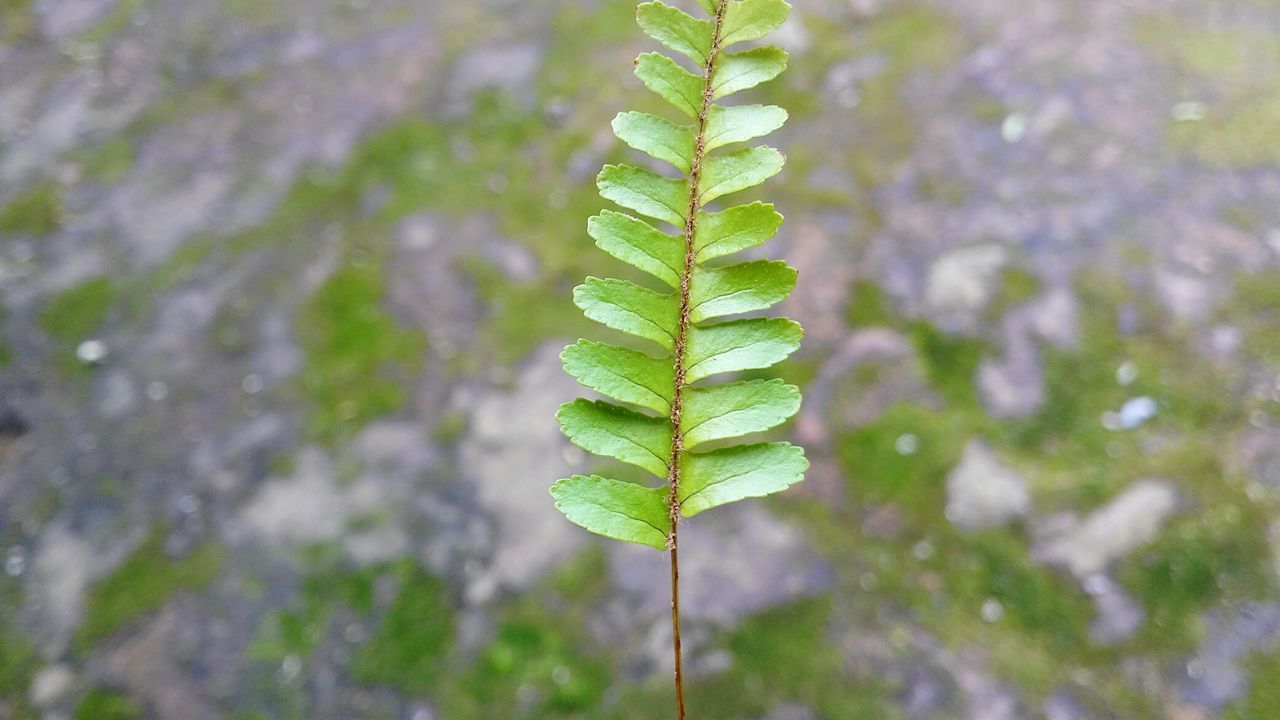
[(987, 698), (963, 281), (505, 67), (62, 569), (1187, 297), (1055, 317), (1062, 706), (515, 261), (150, 663), (314, 504), (308, 506), (792, 711), (51, 684), (61, 19), (512, 454), (1012, 386), (1215, 675), (983, 492), (1118, 615), (1131, 519), (714, 551), (116, 394), (928, 691)]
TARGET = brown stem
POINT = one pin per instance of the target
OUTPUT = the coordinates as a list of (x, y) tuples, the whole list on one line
[(682, 333), (675, 622)]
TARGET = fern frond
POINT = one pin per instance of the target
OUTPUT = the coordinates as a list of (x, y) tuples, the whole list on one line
[(688, 323)]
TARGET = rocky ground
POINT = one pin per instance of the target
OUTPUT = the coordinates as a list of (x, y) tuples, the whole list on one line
[(283, 285)]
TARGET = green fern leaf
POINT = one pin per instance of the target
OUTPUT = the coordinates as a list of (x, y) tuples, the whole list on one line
[(630, 308), (638, 243), (739, 123), (720, 412), (737, 289), (731, 474), (676, 85), (615, 509), (735, 229), (745, 70), (657, 137), (739, 170), (751, 344), (625, 375), (669, 410), (676, 29), (612, 431), (647, 193), (752, 20)]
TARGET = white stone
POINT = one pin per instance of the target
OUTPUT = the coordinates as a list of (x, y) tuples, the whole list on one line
[(51, 684), (511, 455), (964, 280), (62, 568), (1128, 521), (1012, 386), (713, 585), (307, 507), (116, 395), (984, 492)]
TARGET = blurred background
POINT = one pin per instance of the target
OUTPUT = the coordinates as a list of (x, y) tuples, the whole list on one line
[(284, 284)]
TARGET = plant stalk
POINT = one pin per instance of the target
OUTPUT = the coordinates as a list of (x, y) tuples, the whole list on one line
[(682, 333)]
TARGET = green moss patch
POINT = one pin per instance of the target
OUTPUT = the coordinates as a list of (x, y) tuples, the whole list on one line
[(1263, 697), (541, 662), (143, 583), (18, 656), (1194, 565), (108, 162), (903, 458), (1233, 71), (359, 360), (327, 588), (17, 18), (37, 212), (105, 704), (1017, 286), (869, 306), (782, 655), (1036, 625), (1255, 308), (76, 312), (409, 648)]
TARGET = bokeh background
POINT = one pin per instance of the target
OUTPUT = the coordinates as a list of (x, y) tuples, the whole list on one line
[(284, 283)]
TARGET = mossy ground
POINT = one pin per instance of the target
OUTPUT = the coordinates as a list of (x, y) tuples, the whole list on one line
[(521, 166), (542, 661), (107, 162), (36, 212), (359, 359), (18, 655), (6, 352), (509, 161), (142, 584), (73, 314), (1215, 551), (1233, 72), (1264, 694), (106, 704), (17, 19)]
